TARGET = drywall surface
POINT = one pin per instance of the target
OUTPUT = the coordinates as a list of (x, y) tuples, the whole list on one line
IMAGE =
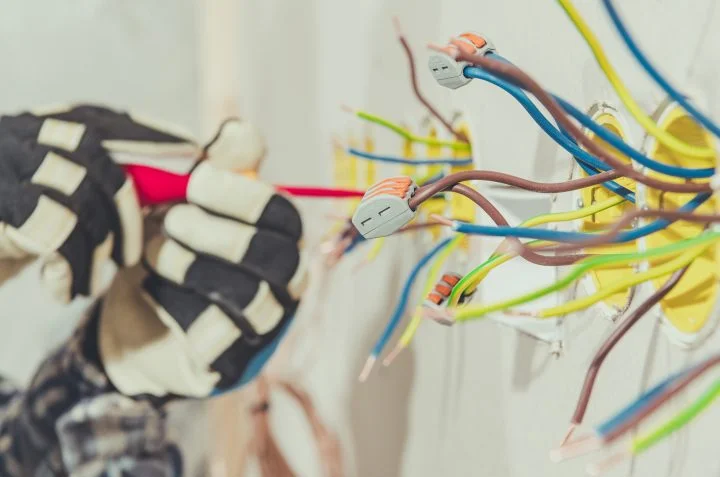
[(474, 400)]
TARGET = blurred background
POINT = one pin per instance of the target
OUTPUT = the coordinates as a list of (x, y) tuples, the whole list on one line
[(481, 399)]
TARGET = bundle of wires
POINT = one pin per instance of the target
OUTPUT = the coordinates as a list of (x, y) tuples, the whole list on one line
[(603, 167)]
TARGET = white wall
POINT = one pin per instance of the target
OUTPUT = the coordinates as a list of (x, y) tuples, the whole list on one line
[(477, 400)]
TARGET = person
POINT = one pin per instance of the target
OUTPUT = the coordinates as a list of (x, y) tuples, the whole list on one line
[(203, 290)]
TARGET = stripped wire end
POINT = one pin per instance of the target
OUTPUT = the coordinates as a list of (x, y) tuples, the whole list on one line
[(393, 354), (367, 368), (451, 50), (599, 468), (397, 27), (443, 316), (581, 446), (442, 220), (568, 434), (348, 109)]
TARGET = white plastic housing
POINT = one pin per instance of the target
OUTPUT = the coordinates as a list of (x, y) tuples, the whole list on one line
[(384, 209), (448, 71)]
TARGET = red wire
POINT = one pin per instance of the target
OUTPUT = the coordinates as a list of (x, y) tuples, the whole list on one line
[(156, 186)]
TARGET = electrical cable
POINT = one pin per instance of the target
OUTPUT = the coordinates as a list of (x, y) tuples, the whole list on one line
[(417, 317), (426, 192), (413, 162), (661, 81), (582, 237), (622, 284), (644, 442), (458, 291), (470, 281), (618, 333), (590, 164), (624, 94), (634, 413), (406, 134), (602, 132), (400, 307), (669, 216), (459, 135), (603, 261), (520, 78), (496, 216)]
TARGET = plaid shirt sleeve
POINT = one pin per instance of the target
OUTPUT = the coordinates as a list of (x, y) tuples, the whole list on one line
[(70, 422)]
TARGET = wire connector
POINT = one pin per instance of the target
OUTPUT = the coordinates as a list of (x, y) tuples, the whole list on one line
[(447, 70), (442, 290), (385, 207)]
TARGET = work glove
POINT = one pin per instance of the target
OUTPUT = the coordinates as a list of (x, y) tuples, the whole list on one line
[(220, 285), (221, 276)]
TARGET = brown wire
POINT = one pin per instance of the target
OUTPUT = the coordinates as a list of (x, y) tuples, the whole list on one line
[(679, 384), (426, 192), (627, 219), (500, 220), (523, 80), (416, 89), (270, 459), (614, 339)]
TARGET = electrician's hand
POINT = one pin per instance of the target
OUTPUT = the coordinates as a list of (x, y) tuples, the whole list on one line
[(64, 200), (220, 285)]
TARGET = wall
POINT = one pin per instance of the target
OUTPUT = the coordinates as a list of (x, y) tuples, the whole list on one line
[(477, 400)]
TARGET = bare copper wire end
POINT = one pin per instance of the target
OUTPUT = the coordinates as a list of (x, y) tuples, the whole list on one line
[(439, 315), (348, 109), (441, 219), (599, 468), (568, 434), (367, 369), (393, 354), (450, 50), (576, 448)]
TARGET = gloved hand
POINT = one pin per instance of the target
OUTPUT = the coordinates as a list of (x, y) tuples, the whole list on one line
[(219, 288), (215, 292), (64, 200)]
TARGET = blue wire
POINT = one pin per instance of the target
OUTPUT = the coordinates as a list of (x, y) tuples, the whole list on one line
[(399, 160), (638, 405), (405, 296), (552, 131), (613, 139), (655, 74), (587, 162), (561, 236)]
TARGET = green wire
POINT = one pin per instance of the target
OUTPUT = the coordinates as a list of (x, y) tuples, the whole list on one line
[(400, 131), (643, 443), (580, 269)]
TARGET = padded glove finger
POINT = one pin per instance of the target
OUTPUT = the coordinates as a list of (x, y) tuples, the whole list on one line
[(238, 146), (56, 147), (268, 255), (125, 133), (244, 199)]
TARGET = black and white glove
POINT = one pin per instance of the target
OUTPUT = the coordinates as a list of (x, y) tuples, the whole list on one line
[(64, 200), (219, 288)]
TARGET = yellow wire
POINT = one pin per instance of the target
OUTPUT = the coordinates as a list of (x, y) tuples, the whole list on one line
[(401, 131), (632, 280), (622, 91), (432, 278), (375, 250), (532, 222), (476, 312)]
